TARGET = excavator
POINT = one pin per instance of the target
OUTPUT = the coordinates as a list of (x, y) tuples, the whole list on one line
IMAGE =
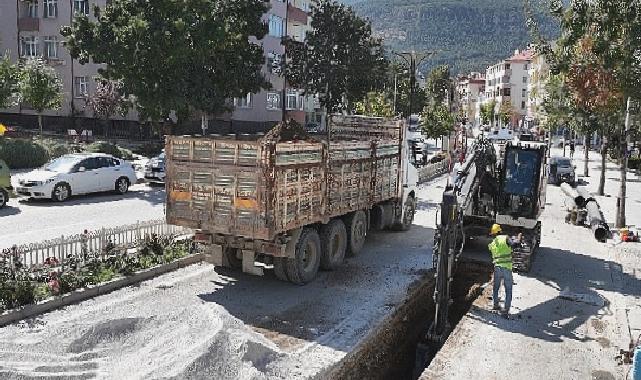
[(507, 188)]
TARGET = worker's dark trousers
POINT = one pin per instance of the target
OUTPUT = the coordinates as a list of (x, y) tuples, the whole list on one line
[(505, 275)]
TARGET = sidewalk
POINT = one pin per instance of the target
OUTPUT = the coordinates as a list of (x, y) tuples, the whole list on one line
[(608, 202), (574, 311)]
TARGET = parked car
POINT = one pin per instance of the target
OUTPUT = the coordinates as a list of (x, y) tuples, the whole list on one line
[(75, 174), (561, 170), (155, 169), (5, 184)]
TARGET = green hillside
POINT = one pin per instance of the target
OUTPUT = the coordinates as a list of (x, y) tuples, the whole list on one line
[(468, 34)]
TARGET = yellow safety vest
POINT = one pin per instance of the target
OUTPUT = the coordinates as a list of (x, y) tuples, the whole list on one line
[(501, 252)]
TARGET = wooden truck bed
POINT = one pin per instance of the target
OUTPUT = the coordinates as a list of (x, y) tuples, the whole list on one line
[(259, 188)]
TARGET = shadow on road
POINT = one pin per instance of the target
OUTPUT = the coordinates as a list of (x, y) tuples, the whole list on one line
[(558, 318), (9, 210), (352, 295)]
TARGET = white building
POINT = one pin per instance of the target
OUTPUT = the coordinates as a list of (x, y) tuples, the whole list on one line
[(507, 81), (470, 89), (539, 75)]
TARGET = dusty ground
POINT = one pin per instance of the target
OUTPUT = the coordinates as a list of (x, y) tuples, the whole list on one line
[(207, 323), (550, 337)]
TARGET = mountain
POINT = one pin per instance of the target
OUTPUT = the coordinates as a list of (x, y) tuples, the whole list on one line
[(468, 35)]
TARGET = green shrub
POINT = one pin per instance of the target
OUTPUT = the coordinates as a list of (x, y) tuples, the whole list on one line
[(109, 148), (57, 148), (149, 149), (22, 154)]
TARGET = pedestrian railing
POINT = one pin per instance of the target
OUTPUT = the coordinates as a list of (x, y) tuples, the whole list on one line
[(102, 240), (433, 170)]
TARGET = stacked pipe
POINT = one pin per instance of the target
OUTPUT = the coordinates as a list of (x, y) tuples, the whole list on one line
[(595, 217)]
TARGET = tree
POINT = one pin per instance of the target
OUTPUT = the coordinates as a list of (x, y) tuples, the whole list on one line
[(436, 121), (107, 100), (8, 82), (438, 83), (39, 87), (340, 59), (180, 56), (614, 30), (375, 104), (488, 111), (403, 93), (506, 111)]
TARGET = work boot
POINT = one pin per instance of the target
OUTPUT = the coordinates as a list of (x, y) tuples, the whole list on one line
[(496, 307), (505, 314)]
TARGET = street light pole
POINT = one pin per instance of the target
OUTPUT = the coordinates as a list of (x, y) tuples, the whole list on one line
[(284, 66), (413, 59)]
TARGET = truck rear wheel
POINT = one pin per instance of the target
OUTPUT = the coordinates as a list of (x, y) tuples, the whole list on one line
[(356, 224), (280, 268), (333, 238), (304, 266)]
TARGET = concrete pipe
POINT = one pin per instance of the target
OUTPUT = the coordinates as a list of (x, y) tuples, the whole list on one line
[(597, 221), (579, 200)]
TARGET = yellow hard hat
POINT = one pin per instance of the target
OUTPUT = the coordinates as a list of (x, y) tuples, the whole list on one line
[(496, 228)]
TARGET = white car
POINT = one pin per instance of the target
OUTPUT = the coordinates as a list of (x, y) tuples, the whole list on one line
[(155, 169), (74, 174)]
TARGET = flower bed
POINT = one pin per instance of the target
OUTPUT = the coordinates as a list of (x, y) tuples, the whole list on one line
[(21, 285)]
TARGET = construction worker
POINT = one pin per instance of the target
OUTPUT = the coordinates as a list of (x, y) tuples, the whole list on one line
[(501, 250)]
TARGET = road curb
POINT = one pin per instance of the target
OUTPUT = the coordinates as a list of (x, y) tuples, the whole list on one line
[(94, 291)]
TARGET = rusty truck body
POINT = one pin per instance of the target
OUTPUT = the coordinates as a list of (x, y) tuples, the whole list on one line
[(292, 206)]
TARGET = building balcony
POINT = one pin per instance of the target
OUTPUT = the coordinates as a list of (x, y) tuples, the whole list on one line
[(28, 24), (296, 14)]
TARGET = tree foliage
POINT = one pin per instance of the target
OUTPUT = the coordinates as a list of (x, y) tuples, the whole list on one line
[(8, 82), (488, 111), (436, 120), (438, 83), (506, 111), (39, 87), (403, 91), (107, 100), (375, 104), (182, 56), (340, 59)]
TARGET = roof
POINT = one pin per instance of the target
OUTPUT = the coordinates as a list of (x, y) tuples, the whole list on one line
[(88, 155), (525, 55)]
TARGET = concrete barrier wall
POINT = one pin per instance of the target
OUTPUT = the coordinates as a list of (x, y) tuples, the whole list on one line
[(432, 171)]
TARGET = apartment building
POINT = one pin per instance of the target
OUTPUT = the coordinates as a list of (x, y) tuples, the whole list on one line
[(31, 29), (469, 88), (539, 75), (507, 81)]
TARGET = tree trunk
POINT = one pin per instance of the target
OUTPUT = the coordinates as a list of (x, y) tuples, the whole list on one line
[(625, 139), (604, 152), (40, 124), (586, 150)]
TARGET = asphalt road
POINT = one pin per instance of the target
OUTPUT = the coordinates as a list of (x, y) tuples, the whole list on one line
[(202, 322), (34, 221)]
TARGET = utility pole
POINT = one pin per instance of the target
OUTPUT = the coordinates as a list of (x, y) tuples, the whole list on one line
[(284, 67), (413, 59), (620, 220)]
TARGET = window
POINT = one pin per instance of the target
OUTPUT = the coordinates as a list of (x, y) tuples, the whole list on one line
[(51, 9), (524, 79), (32, 10), (524, 93), (29, 46), (80, 87), (81, 7), (507, 66), (522, 105), (51, 46), (104, 162), (273, 101), (507, 92), (245, 102), (275, 26), (292, 101)]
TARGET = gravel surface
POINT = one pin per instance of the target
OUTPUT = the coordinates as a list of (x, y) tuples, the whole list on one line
[(33, 221), (577, 308), (203, 322)]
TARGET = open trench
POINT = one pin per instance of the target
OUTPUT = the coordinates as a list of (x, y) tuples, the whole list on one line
[(397, 349)]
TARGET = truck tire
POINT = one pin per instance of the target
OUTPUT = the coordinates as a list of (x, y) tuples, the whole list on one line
[(356, 224), (231, 259), (304, 266), (280, 268), (333, 238)]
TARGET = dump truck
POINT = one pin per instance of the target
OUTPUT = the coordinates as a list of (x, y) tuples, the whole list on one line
[(288, 201)]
